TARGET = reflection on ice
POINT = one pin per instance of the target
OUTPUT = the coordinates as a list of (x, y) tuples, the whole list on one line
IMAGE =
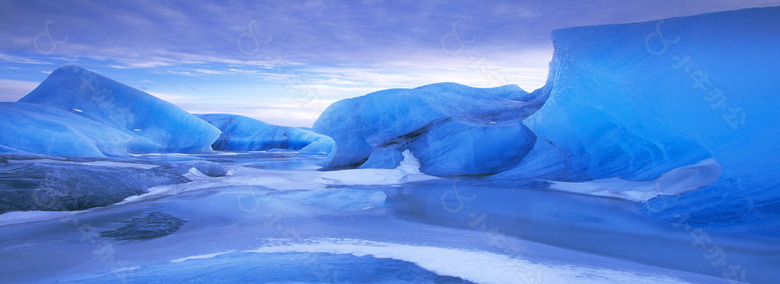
[(338, 199)]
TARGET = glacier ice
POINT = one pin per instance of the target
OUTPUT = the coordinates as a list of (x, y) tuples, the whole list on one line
[(452, 129), (134, 121), (625, 105), (241, 133), (43, 129), (637, 100)]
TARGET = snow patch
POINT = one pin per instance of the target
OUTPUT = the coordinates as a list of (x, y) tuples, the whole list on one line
[(410, 163), (674, 182), (202, 256), (472, 265)]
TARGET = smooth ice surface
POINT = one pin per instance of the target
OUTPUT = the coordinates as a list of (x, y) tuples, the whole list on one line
[(299, 224), (133, 121), (453, 129), (637, 100), (241, 133)]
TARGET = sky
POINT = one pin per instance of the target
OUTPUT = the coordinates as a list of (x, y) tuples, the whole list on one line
[(284, 62)]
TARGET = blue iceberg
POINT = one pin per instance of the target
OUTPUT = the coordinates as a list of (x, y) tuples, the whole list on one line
[(136, 121), (635, 101), (241, 133), (43, 129), (452, 129)]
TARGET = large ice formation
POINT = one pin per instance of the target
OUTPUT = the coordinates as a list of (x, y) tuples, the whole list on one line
[(241, 133), (123, 119), (43, 129), (452, 129), (637, 100)]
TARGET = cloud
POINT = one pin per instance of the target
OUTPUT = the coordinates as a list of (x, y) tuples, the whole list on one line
[(159, 34), (340, 48), (21, 60), (13, 90), (295, 114), (171, 98), (209, 71)]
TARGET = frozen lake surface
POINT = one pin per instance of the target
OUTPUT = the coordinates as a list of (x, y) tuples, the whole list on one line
[(275, 218)]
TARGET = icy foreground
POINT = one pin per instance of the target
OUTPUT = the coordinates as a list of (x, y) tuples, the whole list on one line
[(125, 120), (453, 129), (241, 133), (361, 225)]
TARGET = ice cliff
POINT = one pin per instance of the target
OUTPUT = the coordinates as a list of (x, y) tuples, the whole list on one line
[(637, 100)]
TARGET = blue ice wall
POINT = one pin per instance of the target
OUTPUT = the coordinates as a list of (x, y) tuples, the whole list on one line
[(636, 100)]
